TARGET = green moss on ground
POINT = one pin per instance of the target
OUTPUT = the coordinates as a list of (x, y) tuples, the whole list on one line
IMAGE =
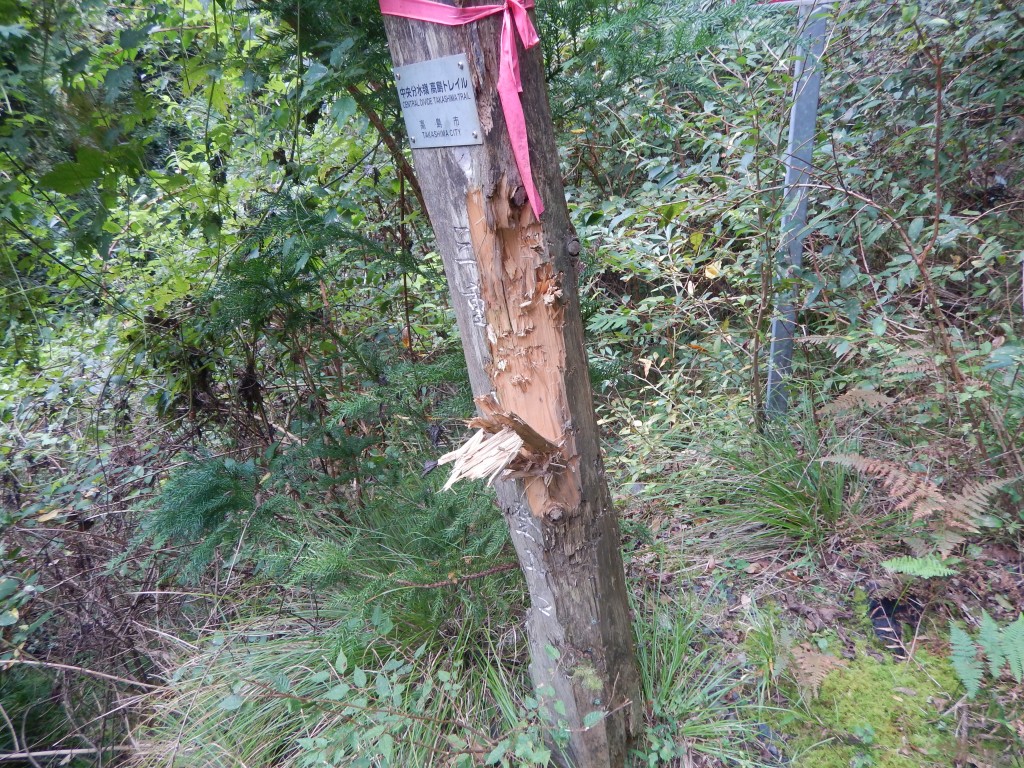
[(879, 714)]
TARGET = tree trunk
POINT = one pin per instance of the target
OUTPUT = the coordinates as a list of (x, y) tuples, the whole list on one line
[(514, 289)]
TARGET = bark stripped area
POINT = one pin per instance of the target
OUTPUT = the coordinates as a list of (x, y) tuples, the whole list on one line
[(503, 445), (523, 297)]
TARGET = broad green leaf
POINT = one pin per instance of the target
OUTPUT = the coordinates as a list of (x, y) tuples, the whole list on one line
[(39, 622), (115, 80), (386, 745), (314, 73), (914, 230), (342, 109), (383, 686), (338, 692), (495, 755), (169, 183), (195, 74), (73, 177), (359, 677), (77, 63), (218, 97), (132, 38), (231, 703), (8, 587), (338, 53), (8, 31)]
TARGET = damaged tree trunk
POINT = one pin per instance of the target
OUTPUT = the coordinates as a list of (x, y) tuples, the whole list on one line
[(513, 286)]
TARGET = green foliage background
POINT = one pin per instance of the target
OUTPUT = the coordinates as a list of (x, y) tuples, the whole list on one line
[(228, 360)]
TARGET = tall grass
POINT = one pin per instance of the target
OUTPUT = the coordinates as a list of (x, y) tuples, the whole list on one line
[(297, 688), (302, 690), (695, 696)]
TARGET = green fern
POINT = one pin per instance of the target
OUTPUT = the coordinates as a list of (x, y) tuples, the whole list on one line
[(927, 567), (1012, 646), (1000, 647), (990, 638), (965, 659)]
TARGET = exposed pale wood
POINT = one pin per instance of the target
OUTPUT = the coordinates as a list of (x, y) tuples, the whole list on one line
[(494, 419), (514, 293), (483, 457)]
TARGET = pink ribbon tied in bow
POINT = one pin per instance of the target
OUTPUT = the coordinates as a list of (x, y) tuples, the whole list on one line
[(510, 84)]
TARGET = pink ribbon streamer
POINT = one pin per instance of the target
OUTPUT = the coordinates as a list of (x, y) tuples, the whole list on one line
[(510, 85)]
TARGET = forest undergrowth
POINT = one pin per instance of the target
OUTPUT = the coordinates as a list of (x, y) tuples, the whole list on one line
[(229, 368)]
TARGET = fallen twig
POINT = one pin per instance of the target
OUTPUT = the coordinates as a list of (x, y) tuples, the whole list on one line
[(454, 580)]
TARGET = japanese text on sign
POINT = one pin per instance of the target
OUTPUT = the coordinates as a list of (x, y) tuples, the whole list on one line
[(438, 103)]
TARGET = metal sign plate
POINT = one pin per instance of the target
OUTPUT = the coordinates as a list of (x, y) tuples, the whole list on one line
[(438, 103)]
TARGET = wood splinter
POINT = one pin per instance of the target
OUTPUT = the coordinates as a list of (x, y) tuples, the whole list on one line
[(503, 443)]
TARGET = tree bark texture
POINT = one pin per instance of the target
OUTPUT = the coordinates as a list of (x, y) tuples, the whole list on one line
[(514, 290)]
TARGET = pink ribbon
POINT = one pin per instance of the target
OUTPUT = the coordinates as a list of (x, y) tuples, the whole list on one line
[(510, 85)]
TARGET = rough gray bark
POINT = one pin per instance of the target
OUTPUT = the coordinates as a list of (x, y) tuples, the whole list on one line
[(514, 290)]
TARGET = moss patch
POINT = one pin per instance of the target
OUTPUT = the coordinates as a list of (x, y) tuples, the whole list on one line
[(879, 714)]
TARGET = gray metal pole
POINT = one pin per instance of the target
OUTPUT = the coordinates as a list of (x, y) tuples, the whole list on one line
[(789, 258)]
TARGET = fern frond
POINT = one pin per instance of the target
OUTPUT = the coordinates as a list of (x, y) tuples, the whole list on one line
[(944, 541), (965, 659), (894, 477), (907, 489), (927, 567), (856, 398), (923, 501), (923, 497), (810, 668), (990, 637), (1000, 648), (830, 341), (1012, 646), (964, 509), (910, 368)]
